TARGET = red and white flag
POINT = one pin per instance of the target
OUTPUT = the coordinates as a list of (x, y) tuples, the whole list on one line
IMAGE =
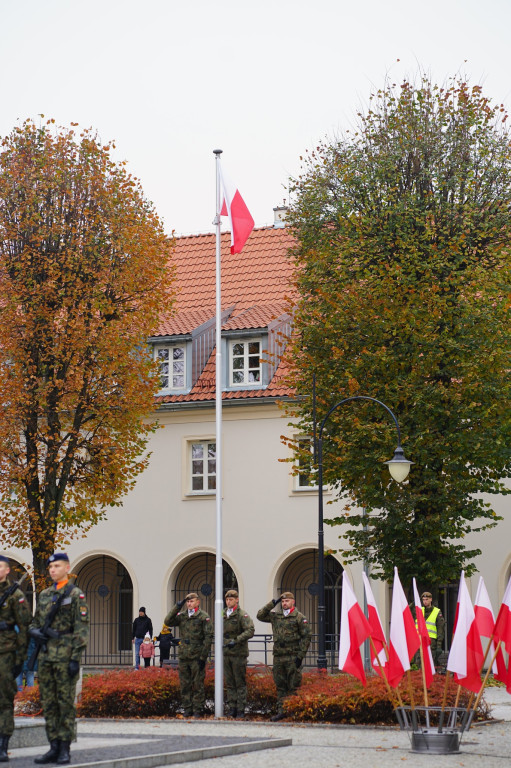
[(427, 656), (404, 638), (466, 654), (377, 633), (241, 222), (502, 629), (354, 630), (485, 620)]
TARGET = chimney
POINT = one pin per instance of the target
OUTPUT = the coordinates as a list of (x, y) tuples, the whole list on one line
[(280, 215)]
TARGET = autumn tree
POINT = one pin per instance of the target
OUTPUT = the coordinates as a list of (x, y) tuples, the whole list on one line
[(83, 278), (403, 267)]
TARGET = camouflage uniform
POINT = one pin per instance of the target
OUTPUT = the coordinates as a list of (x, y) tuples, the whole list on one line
[(238, 627), (13, 646), (57, 688), (291, 639), (195, 637)]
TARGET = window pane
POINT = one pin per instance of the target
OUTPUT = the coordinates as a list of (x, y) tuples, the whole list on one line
[(237, 363), (178, 382), (237, 349), (163, 354), (197, 484), (179, 366), (164, 369), (163, 382), (253, 377), (197, 451), (253, 362), (197, 467), (253, 348), (212, 466), (212, 449), (237, 377), (178, 353), (212, 483)]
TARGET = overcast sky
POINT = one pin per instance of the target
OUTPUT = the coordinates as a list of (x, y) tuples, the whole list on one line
[(171, 80)]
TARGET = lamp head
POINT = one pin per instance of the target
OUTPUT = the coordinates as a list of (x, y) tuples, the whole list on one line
[(399, 466)]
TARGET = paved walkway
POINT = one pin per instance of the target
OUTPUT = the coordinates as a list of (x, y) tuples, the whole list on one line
[(109, 742)]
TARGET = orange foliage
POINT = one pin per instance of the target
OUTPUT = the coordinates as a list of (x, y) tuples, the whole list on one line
[(84, 277)]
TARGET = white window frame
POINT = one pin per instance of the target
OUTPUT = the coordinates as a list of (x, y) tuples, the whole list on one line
[(246, 369), (297, 485), (191, 465), (170, 349)]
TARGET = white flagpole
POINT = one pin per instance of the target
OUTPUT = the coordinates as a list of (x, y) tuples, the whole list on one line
[(219, 586)]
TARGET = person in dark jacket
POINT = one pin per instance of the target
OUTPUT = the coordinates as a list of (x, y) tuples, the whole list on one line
[(141, 625), (166, 640)]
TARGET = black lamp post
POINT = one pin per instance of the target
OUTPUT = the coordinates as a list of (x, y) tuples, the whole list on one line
[(399, 467)]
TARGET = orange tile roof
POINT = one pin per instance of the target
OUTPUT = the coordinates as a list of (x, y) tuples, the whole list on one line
[(256, 284)]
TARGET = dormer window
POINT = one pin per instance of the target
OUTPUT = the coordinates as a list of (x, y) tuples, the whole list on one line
[(245, 366), (172, 360)]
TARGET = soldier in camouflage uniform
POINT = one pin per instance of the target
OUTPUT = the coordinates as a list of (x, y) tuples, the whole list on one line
[(238, 628), (195, 636), (59, 659), (13, 645), (291, 638)]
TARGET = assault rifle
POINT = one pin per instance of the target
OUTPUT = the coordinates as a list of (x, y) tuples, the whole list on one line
[(41, 636)]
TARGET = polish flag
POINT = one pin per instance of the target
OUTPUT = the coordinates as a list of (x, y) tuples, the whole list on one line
[(466, 654), (354, 630), (502, 629), (241, 222), (404, 638), (377, 633), (485, 620), (427, 656)]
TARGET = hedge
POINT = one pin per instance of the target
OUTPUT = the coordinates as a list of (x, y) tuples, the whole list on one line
[(327, 698)]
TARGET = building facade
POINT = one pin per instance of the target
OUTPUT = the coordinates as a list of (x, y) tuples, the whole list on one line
[(161, 543)]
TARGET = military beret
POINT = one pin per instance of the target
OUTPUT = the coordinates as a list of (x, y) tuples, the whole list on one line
[(231, 593), (287, 596), (192, 596), (58, 556), (141, 609), (4, 559), (426, 594)]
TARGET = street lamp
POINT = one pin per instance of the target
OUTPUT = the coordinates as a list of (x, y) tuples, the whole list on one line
[(399, 467)]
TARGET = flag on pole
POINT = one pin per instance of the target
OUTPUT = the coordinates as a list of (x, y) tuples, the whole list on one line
[(427, 656), (241, 222), (354, 630), (404, 638), (466, 654), (502, 629), (485, 620), (377, 633)]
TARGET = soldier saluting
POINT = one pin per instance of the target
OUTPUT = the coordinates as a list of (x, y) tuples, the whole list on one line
[(14, 614), (195, 636), (291, 639), (61, 630)]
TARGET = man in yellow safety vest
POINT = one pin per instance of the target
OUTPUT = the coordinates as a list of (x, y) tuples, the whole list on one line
[(435, 623)]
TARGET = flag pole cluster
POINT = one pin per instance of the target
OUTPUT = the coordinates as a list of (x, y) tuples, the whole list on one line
[(409, 635)]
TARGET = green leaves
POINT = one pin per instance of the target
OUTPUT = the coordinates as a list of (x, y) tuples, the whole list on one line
[(403, 268)]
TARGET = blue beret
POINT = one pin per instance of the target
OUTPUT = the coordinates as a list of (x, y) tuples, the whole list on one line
[(58, 556), (4, 559)]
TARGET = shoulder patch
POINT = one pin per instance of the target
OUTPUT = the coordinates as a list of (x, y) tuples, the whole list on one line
[(82, 596), (207, 618), (305, 621), (21, 600)]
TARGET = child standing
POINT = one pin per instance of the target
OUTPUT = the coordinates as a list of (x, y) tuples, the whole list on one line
[(147, 650)]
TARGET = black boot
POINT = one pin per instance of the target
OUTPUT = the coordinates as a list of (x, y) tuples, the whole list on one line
[(52, 754), (232, 712), (64, 754), (4, 743)]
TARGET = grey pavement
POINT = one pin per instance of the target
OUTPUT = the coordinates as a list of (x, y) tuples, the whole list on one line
[(327, 746)]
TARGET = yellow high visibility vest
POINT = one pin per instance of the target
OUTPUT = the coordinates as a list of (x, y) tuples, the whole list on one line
[(431, 622)]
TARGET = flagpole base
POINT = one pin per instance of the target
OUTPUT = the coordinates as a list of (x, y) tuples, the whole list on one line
[(445, 743)]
